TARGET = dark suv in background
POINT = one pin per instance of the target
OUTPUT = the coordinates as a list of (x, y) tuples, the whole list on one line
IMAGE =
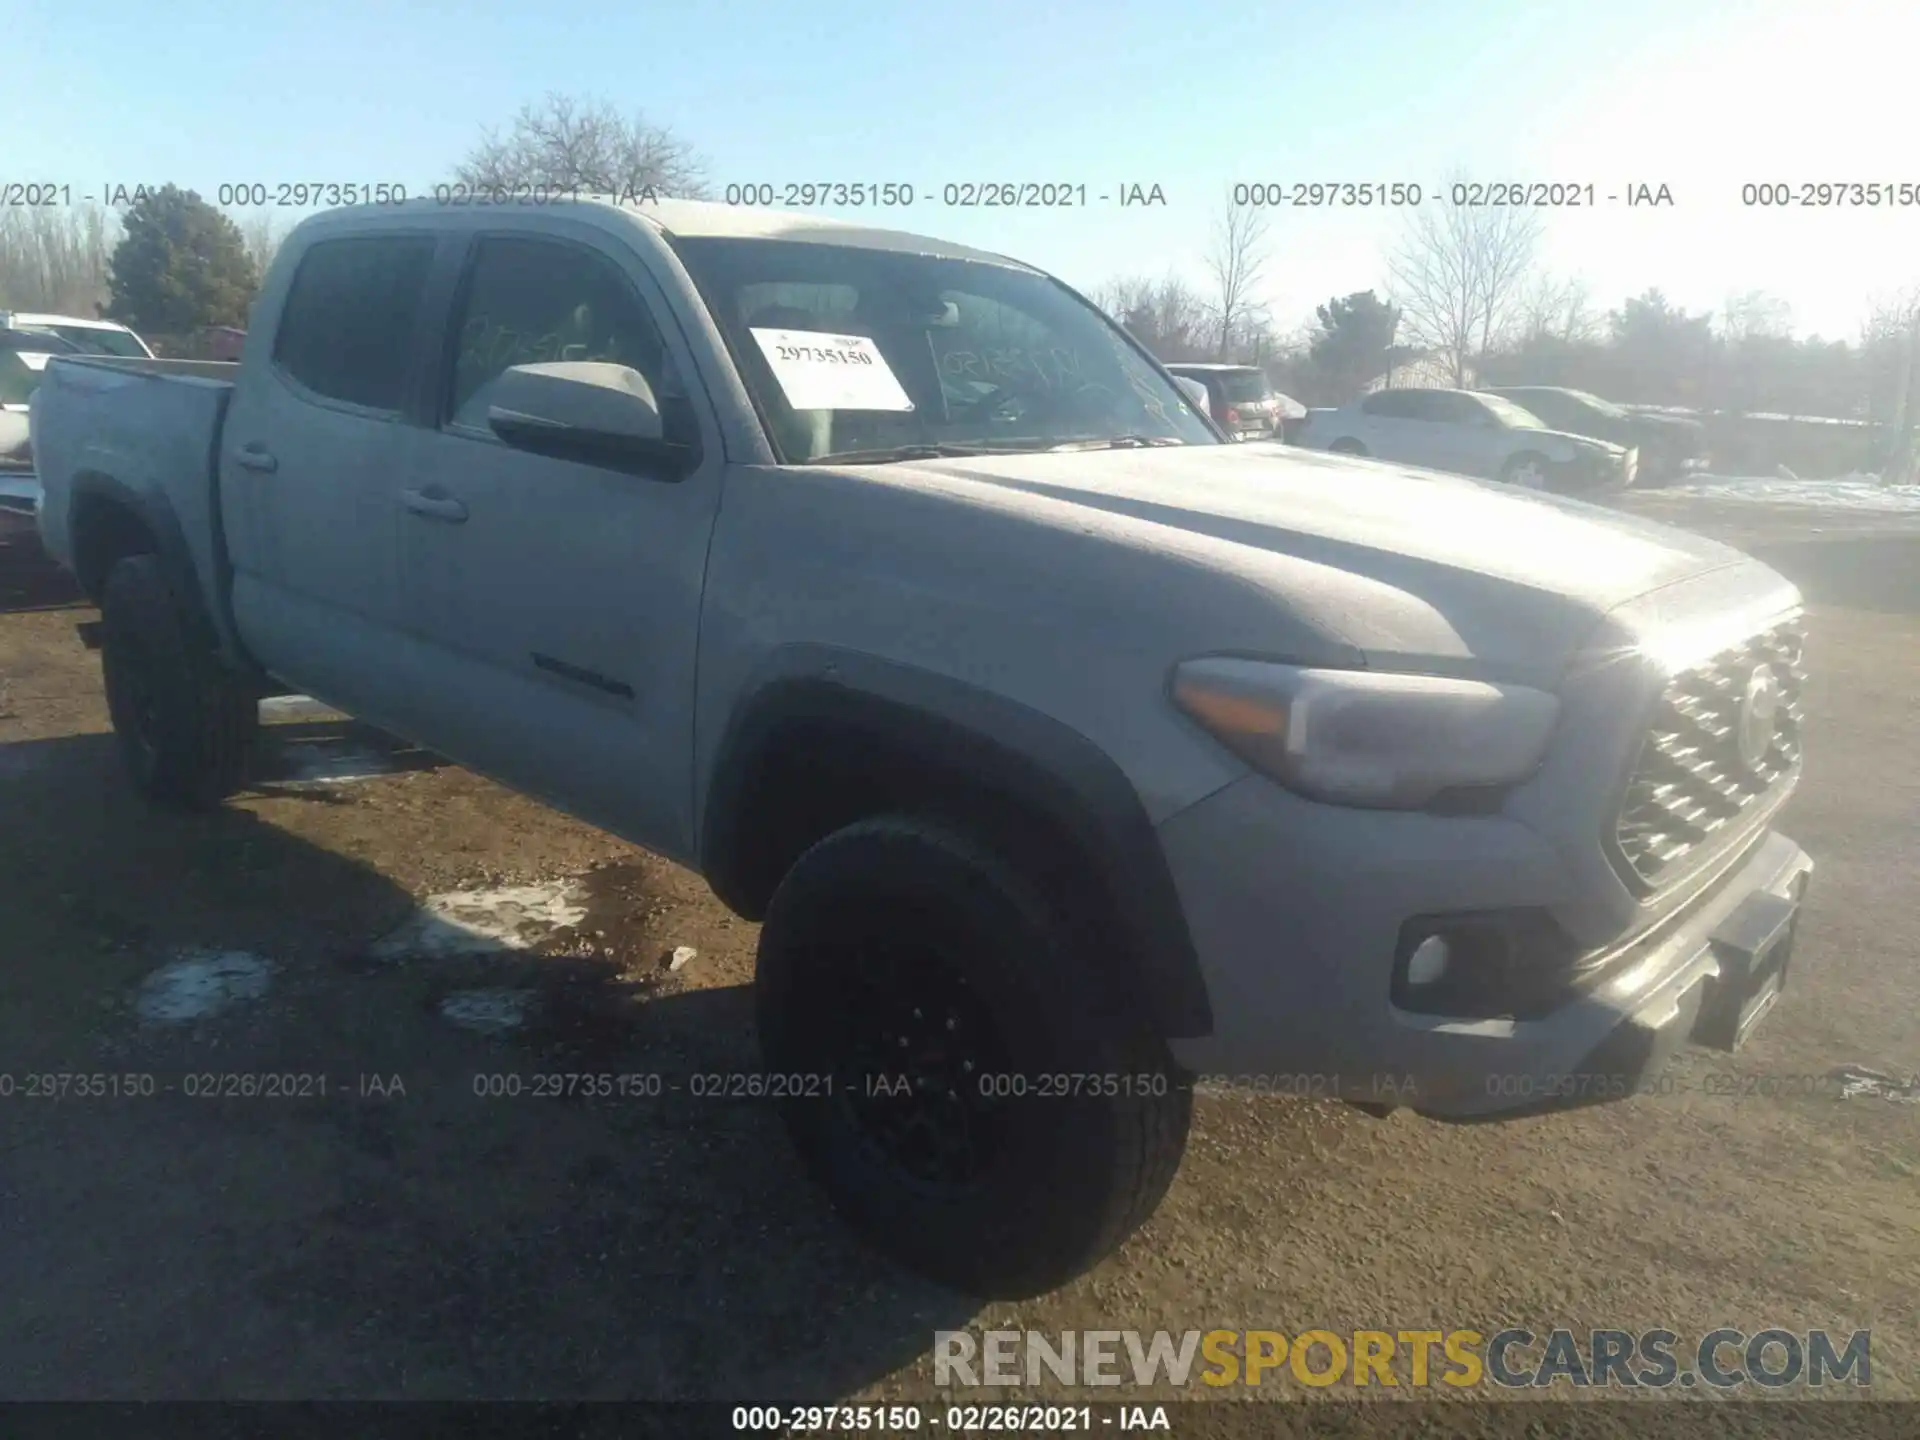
[(1669, 445), (1239, 397)]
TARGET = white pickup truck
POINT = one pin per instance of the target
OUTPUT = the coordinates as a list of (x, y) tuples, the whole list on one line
[(1070, 756)]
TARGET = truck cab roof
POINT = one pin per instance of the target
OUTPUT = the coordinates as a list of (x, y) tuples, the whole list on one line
[(668, 219)]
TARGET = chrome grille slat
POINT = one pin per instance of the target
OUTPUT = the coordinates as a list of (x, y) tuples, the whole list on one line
[(1690, 784)]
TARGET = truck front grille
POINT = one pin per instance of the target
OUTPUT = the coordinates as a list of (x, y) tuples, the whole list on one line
[(1709, 758)]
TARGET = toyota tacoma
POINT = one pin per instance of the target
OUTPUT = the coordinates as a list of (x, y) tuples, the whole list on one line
[(1072, 758)]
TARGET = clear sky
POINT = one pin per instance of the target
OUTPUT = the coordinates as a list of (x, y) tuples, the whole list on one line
[(1701, 95)]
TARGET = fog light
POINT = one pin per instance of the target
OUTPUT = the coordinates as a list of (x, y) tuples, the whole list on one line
[(1428, 963)]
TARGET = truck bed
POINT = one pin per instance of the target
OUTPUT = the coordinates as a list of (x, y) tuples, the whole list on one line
[(145, 431)]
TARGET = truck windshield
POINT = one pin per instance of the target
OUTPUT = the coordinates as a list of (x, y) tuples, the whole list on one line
[(857, 351)]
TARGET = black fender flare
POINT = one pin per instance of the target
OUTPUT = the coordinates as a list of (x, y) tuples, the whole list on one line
[(94, 488), (998, 747)]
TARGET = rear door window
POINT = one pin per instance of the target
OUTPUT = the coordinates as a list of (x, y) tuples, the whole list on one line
[(346, 331)]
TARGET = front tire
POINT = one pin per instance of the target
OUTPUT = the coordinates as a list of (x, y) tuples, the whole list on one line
[(999, 1119), (184, 723), (1347, 447)]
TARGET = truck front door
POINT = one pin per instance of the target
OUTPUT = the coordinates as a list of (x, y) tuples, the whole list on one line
[(558, 602)]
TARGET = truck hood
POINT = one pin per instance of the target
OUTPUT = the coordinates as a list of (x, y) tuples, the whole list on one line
[(1520, 578)]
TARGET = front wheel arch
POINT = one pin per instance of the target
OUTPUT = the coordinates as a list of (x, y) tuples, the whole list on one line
[(826, 737)]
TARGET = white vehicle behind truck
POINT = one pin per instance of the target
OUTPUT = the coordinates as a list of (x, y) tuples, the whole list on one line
[(91, 337), (1067, 753), (1469, 432)]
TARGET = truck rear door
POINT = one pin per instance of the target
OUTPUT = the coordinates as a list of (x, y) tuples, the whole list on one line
[(308, 462)]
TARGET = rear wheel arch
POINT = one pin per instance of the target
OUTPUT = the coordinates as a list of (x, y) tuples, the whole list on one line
[(109, 521), (830, 743), (108, 524)]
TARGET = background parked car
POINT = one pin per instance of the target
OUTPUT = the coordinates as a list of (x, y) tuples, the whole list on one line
[(1293, 415), (89, 337), (23, 360), (221, 342), (1669, 445), (1195, 392), (1472, 434), (1239, 398)]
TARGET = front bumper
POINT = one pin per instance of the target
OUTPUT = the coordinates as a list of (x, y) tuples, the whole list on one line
[(1295, 910)]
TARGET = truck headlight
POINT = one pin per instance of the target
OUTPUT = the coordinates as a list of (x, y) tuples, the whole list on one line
[(1363, 737)]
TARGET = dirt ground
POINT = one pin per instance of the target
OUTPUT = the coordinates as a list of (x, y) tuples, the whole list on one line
[(389, 1230)]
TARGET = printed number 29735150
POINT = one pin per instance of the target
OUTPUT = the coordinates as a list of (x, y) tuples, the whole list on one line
[(824, 355)]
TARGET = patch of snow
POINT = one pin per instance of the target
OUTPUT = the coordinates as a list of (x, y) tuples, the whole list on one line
[(276, 708), (200, 984), (485, 922), (490, 1012), (323, 762), (1848, 492), (1861, 1080)]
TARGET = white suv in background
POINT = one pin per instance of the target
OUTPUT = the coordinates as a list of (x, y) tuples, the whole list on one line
[(1239, 397), (1470, 433), (90, 337)]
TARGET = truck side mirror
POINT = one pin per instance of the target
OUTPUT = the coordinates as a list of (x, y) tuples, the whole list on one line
[(592, 411)]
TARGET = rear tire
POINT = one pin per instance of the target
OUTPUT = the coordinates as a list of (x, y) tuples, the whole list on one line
[(184, 723), (899, 949)]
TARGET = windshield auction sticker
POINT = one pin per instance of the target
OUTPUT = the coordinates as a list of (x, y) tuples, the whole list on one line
[(822, 371)]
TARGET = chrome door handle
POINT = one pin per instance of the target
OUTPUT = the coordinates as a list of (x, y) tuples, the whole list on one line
[(255, 457)]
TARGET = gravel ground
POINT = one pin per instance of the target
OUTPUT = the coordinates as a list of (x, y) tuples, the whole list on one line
[(391, 1223)]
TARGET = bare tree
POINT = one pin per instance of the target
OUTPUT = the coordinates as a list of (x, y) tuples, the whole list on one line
[(56, 259), (1894, 326), (1555, 307), (1164, 315), (1235, 261), (564, 143), (262, 238), (1458, 273), (1755, 315)]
